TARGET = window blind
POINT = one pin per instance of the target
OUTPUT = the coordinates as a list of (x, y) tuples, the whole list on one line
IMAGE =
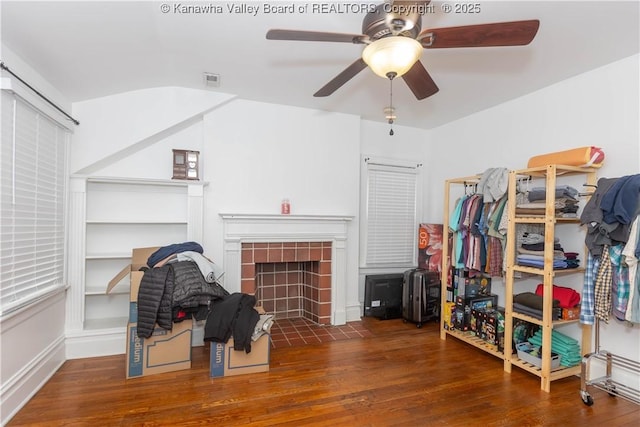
[(391, 229), (32, 199)]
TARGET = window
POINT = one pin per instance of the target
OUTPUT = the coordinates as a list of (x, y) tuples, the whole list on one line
[(390, 225), (32, 200)]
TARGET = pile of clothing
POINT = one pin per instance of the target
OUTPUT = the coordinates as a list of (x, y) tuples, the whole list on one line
[(566, 202), (235, 315), (180, 283), (567, 347), (531, 253), (612, 277)]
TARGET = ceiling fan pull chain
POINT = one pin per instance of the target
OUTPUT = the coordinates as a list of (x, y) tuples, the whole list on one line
[(390, 116)]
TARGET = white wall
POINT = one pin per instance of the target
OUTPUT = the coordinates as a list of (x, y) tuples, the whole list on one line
[(256, 154), (32, 339), (116, 127), (252, 155), (598, 108)]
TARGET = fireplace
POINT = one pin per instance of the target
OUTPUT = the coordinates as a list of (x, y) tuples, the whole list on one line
[(294, 264), (289, 279)]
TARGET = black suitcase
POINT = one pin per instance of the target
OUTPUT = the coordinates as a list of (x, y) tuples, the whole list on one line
[(420, 296)]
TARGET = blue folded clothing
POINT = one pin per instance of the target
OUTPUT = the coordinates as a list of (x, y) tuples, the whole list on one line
[(557, 264)]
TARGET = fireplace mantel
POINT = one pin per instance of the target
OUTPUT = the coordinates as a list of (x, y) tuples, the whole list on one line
[(244, 217), (245, 228)]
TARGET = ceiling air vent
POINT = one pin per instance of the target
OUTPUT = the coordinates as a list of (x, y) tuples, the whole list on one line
[(211, 80)]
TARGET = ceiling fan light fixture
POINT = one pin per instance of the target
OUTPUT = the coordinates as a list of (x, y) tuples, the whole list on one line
[(392, 55)]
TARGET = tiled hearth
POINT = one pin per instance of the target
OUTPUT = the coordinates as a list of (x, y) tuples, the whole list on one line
[(297, 332)]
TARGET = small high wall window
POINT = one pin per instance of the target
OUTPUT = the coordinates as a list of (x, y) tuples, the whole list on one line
[(390, 191), (32, 203)]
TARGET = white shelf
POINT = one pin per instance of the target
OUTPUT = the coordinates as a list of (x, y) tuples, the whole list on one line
[(138, 222), (118, 290), (116, 215), (145, 181), (106, 324), (106, 256)]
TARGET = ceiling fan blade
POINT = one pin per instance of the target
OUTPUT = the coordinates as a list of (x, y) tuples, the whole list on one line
[(316, 36), (341, 78), (516, 33), (420, 82)]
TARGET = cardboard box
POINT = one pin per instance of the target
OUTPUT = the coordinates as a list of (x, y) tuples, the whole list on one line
[(163, 351), (465, 286), (462, 315), (475, 321), (226, 361), (495, 327), (139, 258), (460, 279), (479, 285), (449, 314), (464, 306), (430, 247), (572, 313)]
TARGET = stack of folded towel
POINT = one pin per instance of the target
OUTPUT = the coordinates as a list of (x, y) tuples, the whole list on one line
[(565, 346)]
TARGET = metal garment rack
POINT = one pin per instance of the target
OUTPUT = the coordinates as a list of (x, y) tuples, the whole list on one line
[(606, 383)]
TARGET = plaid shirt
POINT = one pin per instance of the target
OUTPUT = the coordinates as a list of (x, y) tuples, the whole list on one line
[(620, 286), (587, 306), (604, 279)]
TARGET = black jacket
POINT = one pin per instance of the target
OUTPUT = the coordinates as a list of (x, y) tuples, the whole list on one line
[(234, 314), (154, 300)]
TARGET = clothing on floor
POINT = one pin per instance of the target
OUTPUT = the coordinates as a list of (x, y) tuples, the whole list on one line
[(233, 315)]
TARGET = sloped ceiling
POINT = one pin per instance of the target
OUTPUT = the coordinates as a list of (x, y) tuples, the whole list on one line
[(89, 49)]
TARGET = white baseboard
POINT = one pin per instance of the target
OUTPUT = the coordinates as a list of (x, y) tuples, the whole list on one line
[(354, 313), (96, 343), (24, 384)]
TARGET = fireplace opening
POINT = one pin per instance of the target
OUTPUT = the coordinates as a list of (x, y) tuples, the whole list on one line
[(289, 279), (290, 290)]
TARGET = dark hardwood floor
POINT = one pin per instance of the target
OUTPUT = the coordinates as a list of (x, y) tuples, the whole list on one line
[(400, 376)]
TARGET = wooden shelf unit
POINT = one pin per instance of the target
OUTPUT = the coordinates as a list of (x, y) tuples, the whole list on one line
[(549, 174)]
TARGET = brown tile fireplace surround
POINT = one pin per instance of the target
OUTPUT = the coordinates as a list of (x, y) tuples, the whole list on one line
[(294, 264), (289, 279)]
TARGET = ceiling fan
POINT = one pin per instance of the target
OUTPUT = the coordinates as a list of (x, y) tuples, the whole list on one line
[(400, 23)]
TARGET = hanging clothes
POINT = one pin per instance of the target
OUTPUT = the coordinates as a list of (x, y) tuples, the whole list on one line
[(630, 253)]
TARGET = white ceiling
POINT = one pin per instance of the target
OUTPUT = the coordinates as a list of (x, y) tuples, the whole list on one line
[(89, 49)]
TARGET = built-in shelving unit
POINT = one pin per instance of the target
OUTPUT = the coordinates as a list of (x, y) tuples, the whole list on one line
[(108, 218)]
